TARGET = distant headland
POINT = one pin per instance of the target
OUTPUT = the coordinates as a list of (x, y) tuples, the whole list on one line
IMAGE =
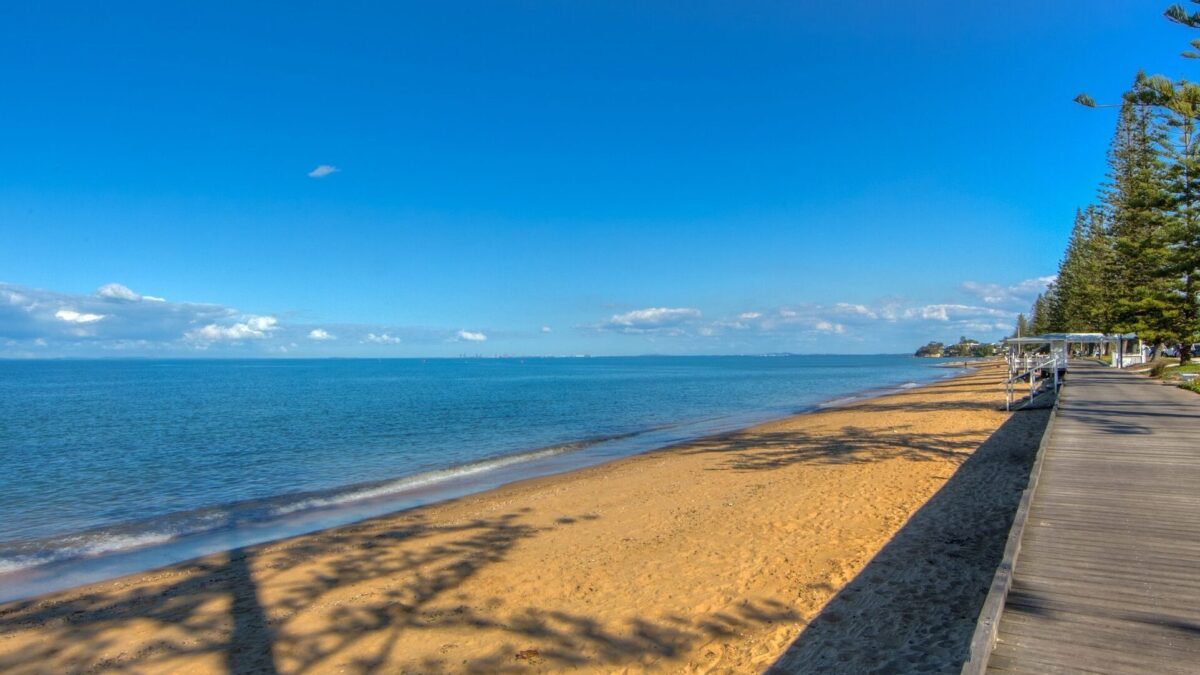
[(965, 347)]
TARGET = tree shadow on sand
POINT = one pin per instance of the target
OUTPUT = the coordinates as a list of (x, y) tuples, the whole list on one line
[(238, 612), (303, 605), (913, 607), (759, 451)]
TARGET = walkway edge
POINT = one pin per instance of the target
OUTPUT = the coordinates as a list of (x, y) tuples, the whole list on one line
[(993, 606)]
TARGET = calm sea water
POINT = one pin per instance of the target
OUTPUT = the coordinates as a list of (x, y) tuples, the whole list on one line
[(112, 466)]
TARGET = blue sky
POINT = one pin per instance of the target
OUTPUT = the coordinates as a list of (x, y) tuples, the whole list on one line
[(546, 178)]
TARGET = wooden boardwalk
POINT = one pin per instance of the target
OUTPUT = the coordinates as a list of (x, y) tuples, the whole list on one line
[(1107, 578)]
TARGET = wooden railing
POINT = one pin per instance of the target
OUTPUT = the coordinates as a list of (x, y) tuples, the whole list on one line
[(1037, 369)]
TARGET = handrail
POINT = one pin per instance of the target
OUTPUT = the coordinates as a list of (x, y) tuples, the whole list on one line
[(1027, 366), (1052, 361)]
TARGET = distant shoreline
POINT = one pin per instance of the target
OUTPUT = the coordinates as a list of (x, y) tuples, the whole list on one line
[(269, 357)]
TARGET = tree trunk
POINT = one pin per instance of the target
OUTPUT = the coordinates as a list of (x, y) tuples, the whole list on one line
[(1189, 319)]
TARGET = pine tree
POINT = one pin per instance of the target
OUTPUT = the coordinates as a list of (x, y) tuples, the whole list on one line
[(1079, 286), (1022, 329), (1040, 317), (1136, 198), (1153, 203), (1179, 108), (1099, 291), (1052, 306)]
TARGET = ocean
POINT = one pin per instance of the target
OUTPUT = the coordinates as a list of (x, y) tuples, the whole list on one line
[(115, 466)]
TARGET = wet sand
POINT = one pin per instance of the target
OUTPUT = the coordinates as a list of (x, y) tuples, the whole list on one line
[(852, 539)]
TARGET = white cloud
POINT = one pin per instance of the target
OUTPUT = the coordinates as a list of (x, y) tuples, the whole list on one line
[(737, 325), (123, 293), (252, 328), (72, 316), (116, 318), (14, 298), (109, 320), (948, 312), (861, 310), (323, 170), (655, 316), (382, 339), (889, 324), (1018, 296), (936, 312), (101, 319), (262, 323), (117, 292), (652, 319)]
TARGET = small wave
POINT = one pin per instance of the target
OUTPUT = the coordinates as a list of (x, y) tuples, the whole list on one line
[(838, 402), (7, 566), (79, 546), (20, 555), (910, 385), (420, 480)]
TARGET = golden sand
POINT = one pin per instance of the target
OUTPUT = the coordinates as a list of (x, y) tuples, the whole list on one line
[(810, 543)]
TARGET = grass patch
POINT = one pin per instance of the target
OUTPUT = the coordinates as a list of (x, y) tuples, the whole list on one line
[(1176, 375), (1169, 369)]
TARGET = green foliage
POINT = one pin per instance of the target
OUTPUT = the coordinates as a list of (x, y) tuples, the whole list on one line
[(1081, 298), (1138, 199), (1180, 15), (1132, 262), (931, 349), (984, 350), (1022, 326), (965, 347), (1042, 316), (1177, 372)]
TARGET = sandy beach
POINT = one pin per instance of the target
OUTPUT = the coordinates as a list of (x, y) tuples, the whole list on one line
[(854, 539)]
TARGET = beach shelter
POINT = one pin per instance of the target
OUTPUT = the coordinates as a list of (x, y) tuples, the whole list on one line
[(1037, 359)]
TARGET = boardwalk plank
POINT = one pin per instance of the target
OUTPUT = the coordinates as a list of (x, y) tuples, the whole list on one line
[(1108, 576)]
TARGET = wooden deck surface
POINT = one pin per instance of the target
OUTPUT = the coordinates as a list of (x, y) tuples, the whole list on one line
[(1108, 575)]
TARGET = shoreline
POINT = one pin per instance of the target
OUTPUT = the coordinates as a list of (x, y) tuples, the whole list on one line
[(717, 551), (159, 541)]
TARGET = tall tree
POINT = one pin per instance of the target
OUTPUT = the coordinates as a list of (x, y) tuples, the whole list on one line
[(1039, 317), (1137, 201), (1022, 328), (1179, 106), (1052, 308), (1154, 207), (1080, 288)]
